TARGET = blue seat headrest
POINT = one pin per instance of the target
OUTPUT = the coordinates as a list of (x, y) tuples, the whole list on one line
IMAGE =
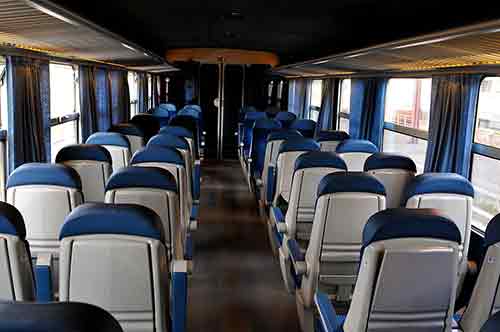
[(123, 219), (169, 140), (183, 121), (356, 145), (320, 159), (127, 129), (255, 115), (44, 174), (144, 118), (350, 182), (169, 107), (492, 324), (55, 317), (337, 136), (177, 131), (492, 234), (142, 177), (11, 221), (389, 161), (189, 112), (83, 152), (157, 154), (115, 139), (434, 183), (285, 116), (303, 124), (299, 144), (161, 112), (409, 223), (283, 134), (266, 124), (195, 107)]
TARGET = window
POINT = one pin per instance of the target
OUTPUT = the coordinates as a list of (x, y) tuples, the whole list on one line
[(280, 93), (316, 95), (407, 109), (3, 126), (167, 81), (344, 105), (134, 91), (150, 91), (64, 106), (270, 87), (486, 154)]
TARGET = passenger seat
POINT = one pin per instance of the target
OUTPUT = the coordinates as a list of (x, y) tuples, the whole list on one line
[(286, 118), (329, 140), (406, 278), (93, 165), (113, 256), (44, 194), (355, 152), (306, 127), (117, 145), (17, 281), (485, 299), (395, 172), (134, 134)]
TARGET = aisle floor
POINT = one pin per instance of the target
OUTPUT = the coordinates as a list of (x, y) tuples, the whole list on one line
[(236, 284)]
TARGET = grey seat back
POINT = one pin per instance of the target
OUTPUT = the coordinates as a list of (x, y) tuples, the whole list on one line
[(485, 299), (288, 153), (395, 172), (453, 195), (113, 256), (118, 146), (16, 272), (154, 188), (92, 163), (329, 140), (310, 169), (355, 152), (401, 249), (345, 203), (44, 194)]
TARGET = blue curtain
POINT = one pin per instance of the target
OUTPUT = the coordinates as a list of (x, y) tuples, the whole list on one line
[(451, 125), (297, 96), (367, 109), (103, 94), (88, 101), (328, 112), (142, 99), (28, 85), (120, 97), (155, 94)]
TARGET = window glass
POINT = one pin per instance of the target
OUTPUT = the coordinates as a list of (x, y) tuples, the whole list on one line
[(345, 96), (344, 124), (150, 90), (408, 102), (134, 91), (488, 113), (486, 180), (413, 147), (316, 95), (64, 102)]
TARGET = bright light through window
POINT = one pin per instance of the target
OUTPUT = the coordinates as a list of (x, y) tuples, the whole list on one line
[(408, 102), (134, 91), (3, 96), (406, 145), (345, 96), (488, 113), (316, 96), (64, 103)]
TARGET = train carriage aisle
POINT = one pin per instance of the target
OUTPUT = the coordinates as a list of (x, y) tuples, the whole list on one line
[(236, 284)]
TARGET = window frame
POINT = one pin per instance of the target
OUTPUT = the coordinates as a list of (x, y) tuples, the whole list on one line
[(483, 150)]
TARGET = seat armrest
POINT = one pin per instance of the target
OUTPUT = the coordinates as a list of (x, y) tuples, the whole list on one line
[(179, 295), (328, 317), (279, 220), (271, 184), (297, 257), (43, 276)]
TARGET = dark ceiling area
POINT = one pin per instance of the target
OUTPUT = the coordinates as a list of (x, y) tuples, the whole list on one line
[(295, 31)]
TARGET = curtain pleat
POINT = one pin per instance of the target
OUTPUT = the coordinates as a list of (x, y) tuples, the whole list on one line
[(297, 96), (142, 99), (284, 96), (88, 101), (28, 84), (120, 97), (451, 127), (328, 110), (367, 109)]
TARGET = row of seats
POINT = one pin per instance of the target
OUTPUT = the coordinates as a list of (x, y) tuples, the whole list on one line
[(154, 195), (319, 202)]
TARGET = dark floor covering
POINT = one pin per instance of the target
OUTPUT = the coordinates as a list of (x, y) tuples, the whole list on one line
[(236, 284)]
